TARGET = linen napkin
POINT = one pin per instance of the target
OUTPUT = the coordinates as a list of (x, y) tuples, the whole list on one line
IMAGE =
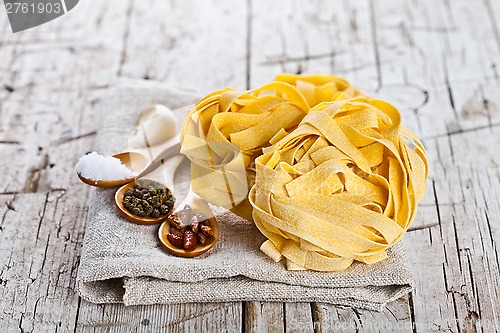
[(122, 262)]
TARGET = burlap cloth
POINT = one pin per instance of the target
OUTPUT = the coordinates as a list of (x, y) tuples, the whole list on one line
[(122, 262)]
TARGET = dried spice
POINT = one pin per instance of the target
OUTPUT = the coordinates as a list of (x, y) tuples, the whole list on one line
[(188, 229), (148, 198), (175, 237), (189, 240)]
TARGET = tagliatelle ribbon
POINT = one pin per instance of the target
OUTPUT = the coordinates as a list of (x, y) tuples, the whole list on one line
[(332, 175), (318, 88), (343, 186), (228, 129)]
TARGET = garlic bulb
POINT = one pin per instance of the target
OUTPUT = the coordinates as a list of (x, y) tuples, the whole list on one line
[(151, 111), (156, 124)]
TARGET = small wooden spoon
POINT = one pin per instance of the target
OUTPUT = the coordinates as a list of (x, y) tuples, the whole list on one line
[(164, 176), (125, 158), (198, 205), (141, 161), (128, 215), (198, 250)]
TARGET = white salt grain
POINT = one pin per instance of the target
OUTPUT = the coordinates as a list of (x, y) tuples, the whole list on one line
[(99, 167)]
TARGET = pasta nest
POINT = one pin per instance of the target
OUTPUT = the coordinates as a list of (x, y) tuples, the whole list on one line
[(342, 187), (227, 130)]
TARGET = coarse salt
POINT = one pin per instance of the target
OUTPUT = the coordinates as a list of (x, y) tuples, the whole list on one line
[(98, 167)]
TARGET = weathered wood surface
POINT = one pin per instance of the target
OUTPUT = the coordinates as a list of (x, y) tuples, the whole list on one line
[(437, 61)]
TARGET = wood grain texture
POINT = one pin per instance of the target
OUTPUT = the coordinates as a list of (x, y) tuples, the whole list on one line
[(438, 62), (198, 45)]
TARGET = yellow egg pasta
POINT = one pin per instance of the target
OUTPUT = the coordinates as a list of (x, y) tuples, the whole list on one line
[(228, 129), (343, 186), (334, 177), (317, 88)]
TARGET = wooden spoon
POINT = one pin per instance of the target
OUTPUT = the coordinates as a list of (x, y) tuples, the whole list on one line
[(164, 176), (198, 250), (198, 205), (128, 215), (141, 161)]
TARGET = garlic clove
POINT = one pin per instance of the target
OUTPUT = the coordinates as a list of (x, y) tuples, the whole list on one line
[(151, 111), (156, 125)]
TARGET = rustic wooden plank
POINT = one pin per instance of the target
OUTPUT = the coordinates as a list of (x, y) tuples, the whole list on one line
[(278, 317), (198, 45), (49, 77), (394, 318), (460, 104), (427, 47), (299, 318), (41, 234), (313, 37), (464, 244), (216, 317), (46, 123), (264, 316)]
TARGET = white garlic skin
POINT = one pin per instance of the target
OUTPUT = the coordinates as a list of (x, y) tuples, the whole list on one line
[(157, 123), (151, 111)]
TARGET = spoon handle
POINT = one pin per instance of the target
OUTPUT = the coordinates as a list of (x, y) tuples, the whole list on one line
[(196, 202), (158, 154)]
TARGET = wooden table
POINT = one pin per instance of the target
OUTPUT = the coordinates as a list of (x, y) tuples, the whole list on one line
[(437, 61)]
